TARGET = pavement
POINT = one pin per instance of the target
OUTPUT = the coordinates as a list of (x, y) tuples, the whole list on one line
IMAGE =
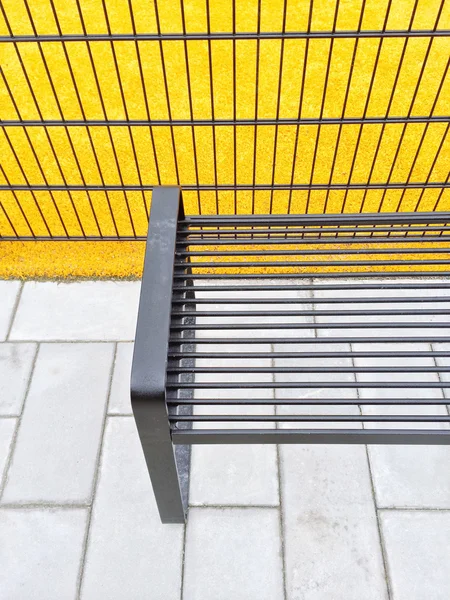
[(77, 512)]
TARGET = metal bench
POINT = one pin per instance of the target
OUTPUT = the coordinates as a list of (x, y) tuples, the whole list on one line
[(388, 267)]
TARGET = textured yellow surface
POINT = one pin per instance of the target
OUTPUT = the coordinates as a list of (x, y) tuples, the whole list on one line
[(30, 156), (71, 259)]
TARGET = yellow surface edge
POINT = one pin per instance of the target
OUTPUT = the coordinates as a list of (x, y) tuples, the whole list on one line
[(66, 260), (416, 152)]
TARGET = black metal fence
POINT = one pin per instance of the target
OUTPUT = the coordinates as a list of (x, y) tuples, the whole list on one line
[(292, 107)]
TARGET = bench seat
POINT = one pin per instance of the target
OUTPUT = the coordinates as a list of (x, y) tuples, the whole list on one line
[(300, 329)]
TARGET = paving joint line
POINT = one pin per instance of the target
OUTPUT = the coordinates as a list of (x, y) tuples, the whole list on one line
[(183, 558), (116, 415), (14, 310), (382, 541), (281, 524), (280, 503), (279, 461), (440, 378), (13, 444), (95, 481), (233, 506), (44, 506), (65, 341), (374, 496), (412, 509), (30, 376)]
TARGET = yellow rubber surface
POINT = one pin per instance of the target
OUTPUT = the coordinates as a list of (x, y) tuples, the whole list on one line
[(79, 155)]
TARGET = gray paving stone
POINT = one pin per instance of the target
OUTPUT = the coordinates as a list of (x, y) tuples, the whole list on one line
[(382, 292), (253, 333), (238, 378), (315, 393), (8, 295), (59, 435), (330, 530), (443, 362), (248, 294), (233, 553), (16, 361), (367, 319), (130, 553), (7, 428), (411, 477), (244, 474), (119, 399), (234, 474), (418, 553), (87, 310), (40, 552), (406, 476), (385, 377)]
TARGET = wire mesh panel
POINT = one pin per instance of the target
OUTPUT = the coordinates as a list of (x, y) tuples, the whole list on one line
[(253, 107)]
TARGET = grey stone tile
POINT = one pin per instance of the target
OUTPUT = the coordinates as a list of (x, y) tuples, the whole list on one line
[(331, 537), (239, 392), (418, 553), (246, 474), (40, 552), (234, 474), (16, 361), (233, 553), (443, 362), (119, 399), (381, 292), (411, 477), (7, 428), (59, 435), (257, 320), (8, 295), (238, 379), (406, 476), (211, 349), (367, 319), (410, 379), (87, 310), (238, 283), (130, 553), (315, 392)]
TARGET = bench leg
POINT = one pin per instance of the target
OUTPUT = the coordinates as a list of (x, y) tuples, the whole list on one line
[(148, 377), (183, 452), (169, 480)]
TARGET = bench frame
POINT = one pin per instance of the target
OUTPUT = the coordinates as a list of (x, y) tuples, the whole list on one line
[(167, 451)]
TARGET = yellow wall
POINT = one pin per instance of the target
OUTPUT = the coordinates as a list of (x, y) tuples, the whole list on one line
[(103, 259)]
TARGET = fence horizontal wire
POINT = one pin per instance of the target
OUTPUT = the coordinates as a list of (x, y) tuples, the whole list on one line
[(238, 35)]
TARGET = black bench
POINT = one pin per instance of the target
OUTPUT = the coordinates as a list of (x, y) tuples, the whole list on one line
[(196, 266)]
